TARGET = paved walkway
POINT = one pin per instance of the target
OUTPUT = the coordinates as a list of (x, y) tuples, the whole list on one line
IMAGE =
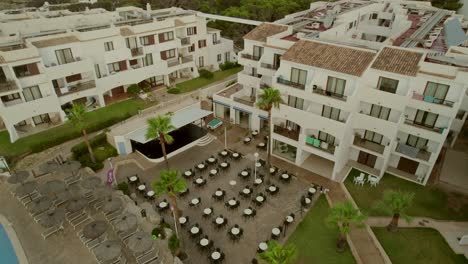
[(450, 230)]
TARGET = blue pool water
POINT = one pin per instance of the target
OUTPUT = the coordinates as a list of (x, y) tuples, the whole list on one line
[(7, 253)]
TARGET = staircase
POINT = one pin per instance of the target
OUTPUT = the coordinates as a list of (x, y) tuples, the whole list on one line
[(207, 139)]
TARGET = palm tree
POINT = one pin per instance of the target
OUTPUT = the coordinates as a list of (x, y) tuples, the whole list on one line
[(159, 127), (395, 203), (277, 254), (77, 118), (342, 215), (170, 184), (268, 99)]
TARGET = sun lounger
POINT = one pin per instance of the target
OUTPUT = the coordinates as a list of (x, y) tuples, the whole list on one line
[(127, 234), (93, 243), (31, 198), (58, 202), (99, 204), (52, 230), (75, 215), (148, 258), (113, 215), (80, 220), (144, 253)]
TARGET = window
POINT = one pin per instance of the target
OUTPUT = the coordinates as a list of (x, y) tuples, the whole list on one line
[(168, 54), (73, 78), (215, 38), (191, 31), (296, 102), (426, 119), (373, 137), (41, 119), (32, 93), (437, 91), (97, 70), (131, 43), (331, 112), (117, 66), (219, 57), (322, 136), (336, 86), (298, 76), (374, 16), (201, 43), (387, 85), (380, 112), (148, 60), (227, 56), (201, 61), (64, 56), (147, 40), (108, 46), (166, 36), (350, 26), (192, 48), (26, 70), (11, 97), (416, 142), (257, 52)]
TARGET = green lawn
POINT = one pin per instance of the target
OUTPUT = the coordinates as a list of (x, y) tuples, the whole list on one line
[(316, 242), (98, 119), (196, 83), (417, 245), (429, 201)]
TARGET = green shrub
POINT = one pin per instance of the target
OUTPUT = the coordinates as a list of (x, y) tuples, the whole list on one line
[(134, 90), (206, 74), (228, 65), (101, 149), (85, 161), (123, 186), (159, 232), (81, 149), (173, 243), (175, 90)]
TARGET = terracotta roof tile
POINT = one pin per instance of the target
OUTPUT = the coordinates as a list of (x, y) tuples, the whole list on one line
[(331, 57), (265, 30), (397, 61), (55, 41)]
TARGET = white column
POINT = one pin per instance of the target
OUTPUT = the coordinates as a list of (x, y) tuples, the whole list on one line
[(101, 100)]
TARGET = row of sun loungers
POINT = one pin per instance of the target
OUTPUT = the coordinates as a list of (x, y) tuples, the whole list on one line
[(52, 230)]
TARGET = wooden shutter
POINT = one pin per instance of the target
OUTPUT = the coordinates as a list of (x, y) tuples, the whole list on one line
[(32, 68), (73, 78), (194, 30), (163, 55), (123, 65), (133, 62), (161, 37), (151, 40)]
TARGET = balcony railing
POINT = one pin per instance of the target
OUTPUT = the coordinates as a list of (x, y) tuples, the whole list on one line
[(185, 41), (430, 99), (321, 145), (67, 61), (433, 129), (364, 143), (7, 85), (137, 51), (292, 134), (290, 83), (180, 60), (82, 86), (413, 152), (269, 66), (245, 100), (216, 42), (323, 92), (250, 57)]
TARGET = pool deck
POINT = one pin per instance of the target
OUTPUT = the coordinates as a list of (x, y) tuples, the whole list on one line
[(14, 240)]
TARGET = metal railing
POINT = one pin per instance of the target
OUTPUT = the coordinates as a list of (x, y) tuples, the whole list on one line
[(269, 66), (420, 153), (292, 134), (137, 51), (250, 57), (7, 85), (323, 92), (367, 144), (430, 128), (216, 42), (330, 149), (185, 41), (430, 99), (82, 86), (290, 83), (178, 61), (243, 100)]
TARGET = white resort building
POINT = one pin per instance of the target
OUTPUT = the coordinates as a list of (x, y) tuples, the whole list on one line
[(376, 85), (51, 59)]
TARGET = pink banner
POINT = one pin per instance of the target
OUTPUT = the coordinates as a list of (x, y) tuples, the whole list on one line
[(110, 176)]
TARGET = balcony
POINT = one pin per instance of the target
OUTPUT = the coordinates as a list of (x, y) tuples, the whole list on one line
[(216, 42), (246, 100), (321, 145), (369, 145), (410, 122), (323, 92), (82, 86), (184, 41), (136, 51), (7, 86), (179, 61), (290, 83), (269, 66), (430, 99), (250, 57), (292, 134), (413, 152)]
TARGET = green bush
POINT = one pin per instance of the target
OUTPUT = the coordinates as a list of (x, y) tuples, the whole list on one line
[(206, 74), (81, 149), (101, 149), (173, 243), (174, 90), (159, 232), (85, 161), (123, 186), (228, 65), (134, 90)]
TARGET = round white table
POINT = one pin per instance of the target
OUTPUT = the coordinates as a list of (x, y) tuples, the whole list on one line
[(244, 173), (276, 231), (263, 246), (307, 200), (247, 211), (247, 139), (272, 188), (194, 230), (213, 171), (246, 191), (285, 176), (211, 160), (255, 133), (224, 164), (235, 231), (133, 178), (272, 170), (207, 211), (188, 173), (312, 190), (199, 180), (182, 220), (260, 199), (195, 201), (224, 153), (235, 155), (219, 220), (219, 193), (232, 183), (289, 219), (258, 164), (204, 242), (142, 187), (150, 194), (258, 181), (232, 202), (162, 205), (216, 255), (261, 144), (201, 166)]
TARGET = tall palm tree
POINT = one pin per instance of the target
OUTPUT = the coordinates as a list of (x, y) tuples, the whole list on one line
[(77, 118), (342, 215), (159, 128), (171, 184), (395, 203), (277, 254), (268, 99)]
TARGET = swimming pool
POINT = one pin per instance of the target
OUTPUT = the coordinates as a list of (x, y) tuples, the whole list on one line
[(7, 253)]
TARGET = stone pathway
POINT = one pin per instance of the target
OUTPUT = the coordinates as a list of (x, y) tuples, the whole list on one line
[(450, 230)]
